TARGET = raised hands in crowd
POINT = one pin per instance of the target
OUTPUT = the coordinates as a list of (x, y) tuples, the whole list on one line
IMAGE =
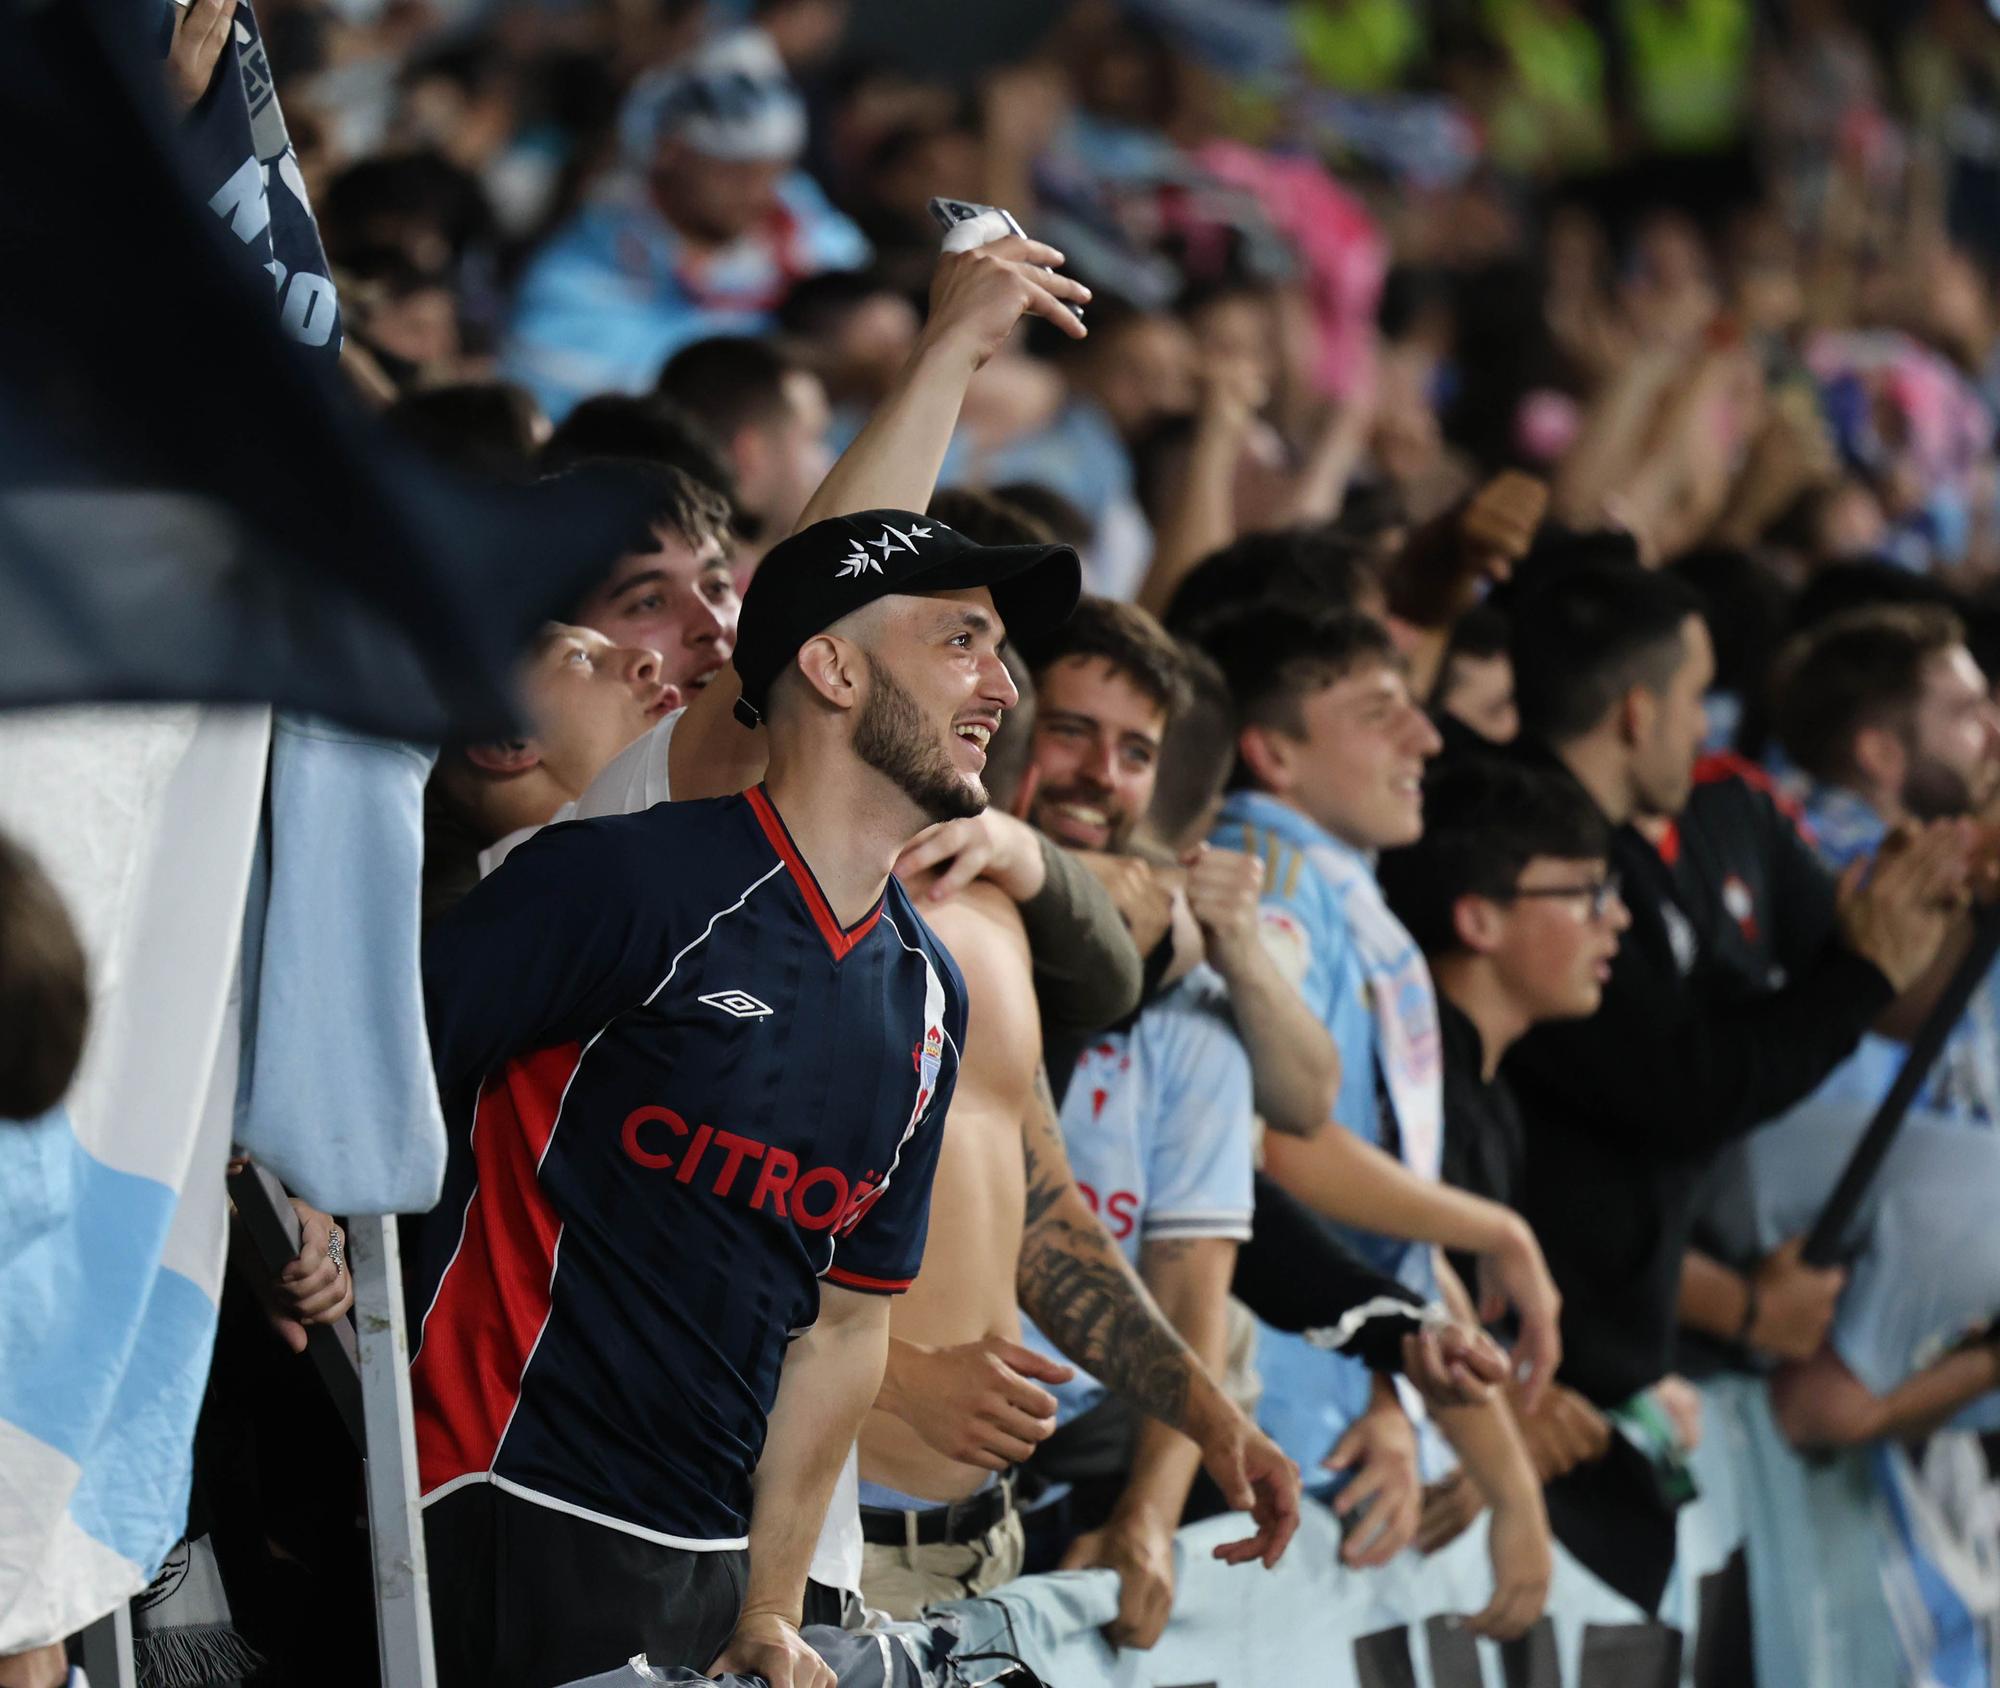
[(1254, 1023)]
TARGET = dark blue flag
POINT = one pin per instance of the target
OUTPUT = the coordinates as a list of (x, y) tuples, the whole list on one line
[(192, 506)]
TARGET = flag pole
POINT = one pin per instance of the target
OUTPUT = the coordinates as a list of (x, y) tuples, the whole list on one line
[(1825, 1241)]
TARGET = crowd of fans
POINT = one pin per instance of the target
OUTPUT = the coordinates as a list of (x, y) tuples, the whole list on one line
[(1408, 955)]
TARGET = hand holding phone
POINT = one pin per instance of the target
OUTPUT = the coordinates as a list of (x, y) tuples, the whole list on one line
[(968, 224)]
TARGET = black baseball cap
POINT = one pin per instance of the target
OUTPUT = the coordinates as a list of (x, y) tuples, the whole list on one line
[(808, 582)]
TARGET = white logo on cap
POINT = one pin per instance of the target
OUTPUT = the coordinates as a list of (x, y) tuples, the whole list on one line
[(892, 539), (858, 564)]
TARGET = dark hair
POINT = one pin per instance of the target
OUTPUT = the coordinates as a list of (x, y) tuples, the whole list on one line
[(44, 989), (644, 428), (1196, 757), (1125, 636), (1840, 587), (1480, 634), (1746, 606), (1064, 520), (681, 504), (1274, 655), (1008, 756), (1585, 638), (1485, 818), (383, 197), (1861, 669), (986, 519), (729, 381), (485, 426), (1309, 567), (819, 305)]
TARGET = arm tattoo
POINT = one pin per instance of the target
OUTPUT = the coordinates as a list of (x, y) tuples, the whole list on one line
[(1041, 1144), (1078, 1287)]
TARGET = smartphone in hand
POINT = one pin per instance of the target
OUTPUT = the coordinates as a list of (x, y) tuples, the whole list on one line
[(950, 214)]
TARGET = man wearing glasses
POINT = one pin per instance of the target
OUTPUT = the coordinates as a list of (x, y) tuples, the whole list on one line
[(1511, 898)]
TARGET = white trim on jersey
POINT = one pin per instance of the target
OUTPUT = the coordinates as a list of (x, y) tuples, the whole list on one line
[(687, 1544), (933, 1016), (457, 1248), (1234, 1227)]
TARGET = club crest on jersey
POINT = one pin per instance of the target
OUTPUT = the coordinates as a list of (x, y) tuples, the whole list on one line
[(927, 1057)]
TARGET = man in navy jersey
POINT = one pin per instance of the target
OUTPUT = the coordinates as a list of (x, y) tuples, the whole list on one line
[(701, 1111)]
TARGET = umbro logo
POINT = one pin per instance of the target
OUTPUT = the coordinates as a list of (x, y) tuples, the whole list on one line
[(740, 1005)]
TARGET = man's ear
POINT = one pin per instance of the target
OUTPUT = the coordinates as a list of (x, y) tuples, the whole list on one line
[(504, 756), (1638, 710), (749, 454), (1268, 755), (1475, 921), (832, 667), (1880, 759)]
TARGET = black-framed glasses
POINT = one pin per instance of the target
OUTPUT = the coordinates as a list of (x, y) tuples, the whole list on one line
[(1598, 895)]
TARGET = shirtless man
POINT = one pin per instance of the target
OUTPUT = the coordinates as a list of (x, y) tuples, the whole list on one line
[(961, 1397)]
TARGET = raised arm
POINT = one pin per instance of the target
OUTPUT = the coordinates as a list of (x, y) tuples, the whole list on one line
[(976, 298), (1292, 1058)]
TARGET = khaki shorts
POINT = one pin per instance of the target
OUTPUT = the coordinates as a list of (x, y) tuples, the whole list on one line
[(902, 1581)]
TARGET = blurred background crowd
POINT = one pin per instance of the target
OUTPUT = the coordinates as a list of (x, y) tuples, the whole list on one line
[(1390, 300)]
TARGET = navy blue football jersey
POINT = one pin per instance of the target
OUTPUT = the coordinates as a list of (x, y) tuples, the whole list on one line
[(680, 1094)]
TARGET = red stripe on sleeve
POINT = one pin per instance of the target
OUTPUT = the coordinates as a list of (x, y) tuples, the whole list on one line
[(856, 1280), (494, 1299)]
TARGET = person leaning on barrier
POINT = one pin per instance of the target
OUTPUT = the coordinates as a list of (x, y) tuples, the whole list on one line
[(1611, 665), (651, 1306), (1148, 1119), (1888, 714)]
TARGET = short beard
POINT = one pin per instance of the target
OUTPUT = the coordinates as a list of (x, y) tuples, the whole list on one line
[(892, 739), (1934, 792)]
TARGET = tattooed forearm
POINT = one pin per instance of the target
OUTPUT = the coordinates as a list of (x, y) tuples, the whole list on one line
[(1078, 1287), (1042, 1148)]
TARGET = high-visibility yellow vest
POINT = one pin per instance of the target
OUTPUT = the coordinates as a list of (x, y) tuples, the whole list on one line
[(1358, 46), (1690, 69)]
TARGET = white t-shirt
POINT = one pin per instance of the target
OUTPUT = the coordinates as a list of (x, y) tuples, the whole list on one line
[(634, 779)]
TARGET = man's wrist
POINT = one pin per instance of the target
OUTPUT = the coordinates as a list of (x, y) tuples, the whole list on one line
[(1025, 871), (1209, 1412), (1746, 1326), (1238, 957), (899, 1387), (1142, 1513), (948, 352)]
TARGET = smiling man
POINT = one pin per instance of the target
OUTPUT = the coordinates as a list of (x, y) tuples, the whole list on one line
[(699, 1112), (1331, 751), (678, 596)]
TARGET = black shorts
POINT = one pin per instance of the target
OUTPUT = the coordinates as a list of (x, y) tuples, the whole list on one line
[(524, 1596)]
